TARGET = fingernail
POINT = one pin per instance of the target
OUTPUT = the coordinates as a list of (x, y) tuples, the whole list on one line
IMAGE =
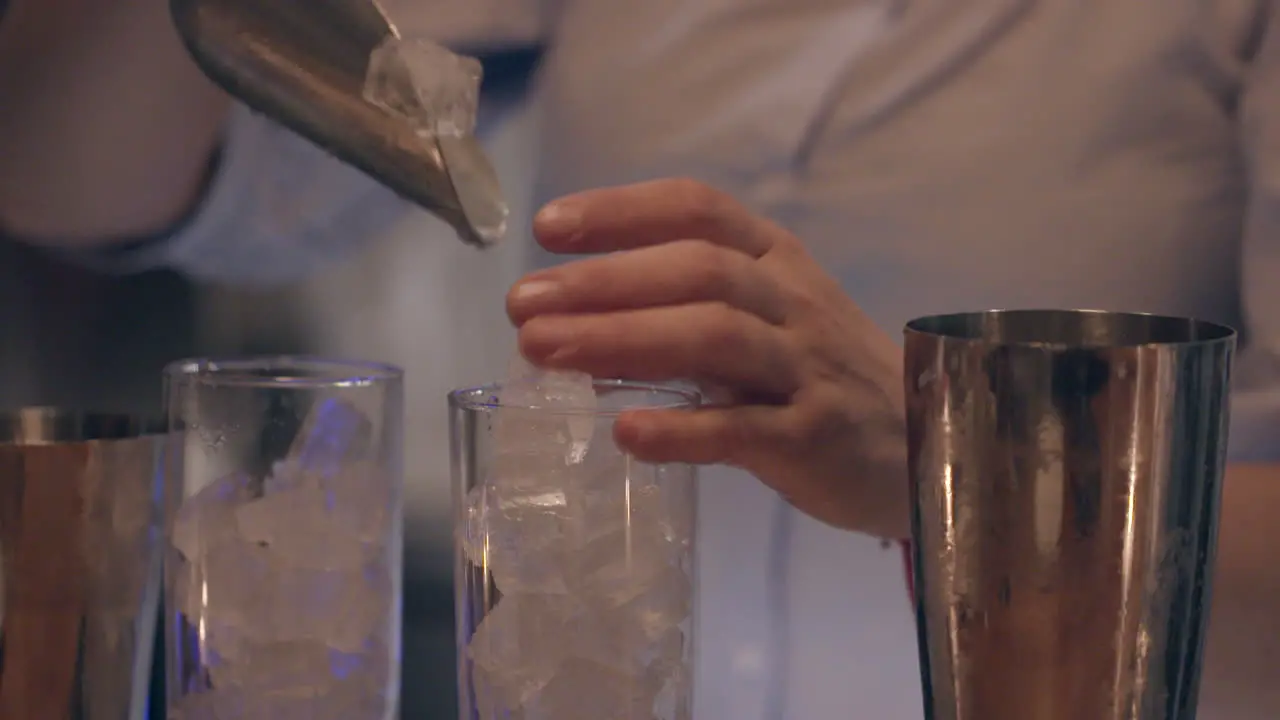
[(560, 217), (533, 290), (562, 356)]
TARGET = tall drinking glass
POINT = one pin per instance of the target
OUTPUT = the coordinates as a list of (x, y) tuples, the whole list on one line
[(283, 505), (574, 571)]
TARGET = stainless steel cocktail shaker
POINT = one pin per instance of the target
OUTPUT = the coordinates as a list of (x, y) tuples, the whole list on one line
[(1066, 471)]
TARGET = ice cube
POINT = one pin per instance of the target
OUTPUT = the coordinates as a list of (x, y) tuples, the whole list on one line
[(616, 492), (624, 648), (329, 521), (339, 701), (543, 409), (530, 386), (277, 667), (206, 519), (633, 635), (334, 434), (360, 501), (299, 530), (619, 489), (518, 535), (617, 566), (241, 592), (523, 522), (522, 461), (436, 90), (356, 499), (224, 582), (518, 647), (622, 539), (344, 610), (223, 595), (302, 667), (584, 690)]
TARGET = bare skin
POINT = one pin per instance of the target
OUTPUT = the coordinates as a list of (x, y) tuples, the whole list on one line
[(106, 126), (704, 289)]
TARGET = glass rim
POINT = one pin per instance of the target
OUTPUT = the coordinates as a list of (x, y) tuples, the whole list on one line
[(484, 398), (256, 371)]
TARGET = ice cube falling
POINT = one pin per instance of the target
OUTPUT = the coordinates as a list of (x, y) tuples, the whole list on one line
[(438, 93)]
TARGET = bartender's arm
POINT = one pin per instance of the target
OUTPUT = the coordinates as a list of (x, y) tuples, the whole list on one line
[(115, 150), (106, 127)]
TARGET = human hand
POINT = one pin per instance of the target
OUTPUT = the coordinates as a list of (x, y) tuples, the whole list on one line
[(807, 391)]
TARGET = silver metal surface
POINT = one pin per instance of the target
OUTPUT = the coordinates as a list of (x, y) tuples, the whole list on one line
[(1066, 471), (303, 64), (80, 571)]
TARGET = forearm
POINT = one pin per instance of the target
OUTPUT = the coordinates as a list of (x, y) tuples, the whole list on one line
[(106, 126), (1240, 680)]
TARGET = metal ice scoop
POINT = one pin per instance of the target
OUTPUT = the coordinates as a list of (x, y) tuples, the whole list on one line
[(303, 63)]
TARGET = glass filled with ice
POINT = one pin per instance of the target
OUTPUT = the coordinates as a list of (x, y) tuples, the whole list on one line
[(574, 574), (283, 505)]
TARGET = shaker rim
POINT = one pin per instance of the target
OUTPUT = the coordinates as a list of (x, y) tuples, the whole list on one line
[(49, 425), (1075, 328)]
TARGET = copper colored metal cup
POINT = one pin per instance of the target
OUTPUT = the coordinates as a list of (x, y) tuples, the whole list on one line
[(80, 565)]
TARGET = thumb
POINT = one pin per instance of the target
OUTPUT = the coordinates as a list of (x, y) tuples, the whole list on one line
[(740, 435)]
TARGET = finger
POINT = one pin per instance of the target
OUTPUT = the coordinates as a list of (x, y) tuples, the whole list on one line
[(767, 441), (705, 436), (678, 273), (706, 342), (651, 213)]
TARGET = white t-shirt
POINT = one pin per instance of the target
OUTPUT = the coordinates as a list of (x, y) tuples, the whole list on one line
[(976, 154), (936, 156)]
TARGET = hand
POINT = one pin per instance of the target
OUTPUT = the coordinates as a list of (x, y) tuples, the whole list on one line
[(808, 390)]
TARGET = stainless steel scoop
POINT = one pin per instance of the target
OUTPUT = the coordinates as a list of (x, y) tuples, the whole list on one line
[(303, 63)]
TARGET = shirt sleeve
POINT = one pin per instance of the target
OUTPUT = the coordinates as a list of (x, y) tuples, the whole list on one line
[(1255, 416), (276, 208)]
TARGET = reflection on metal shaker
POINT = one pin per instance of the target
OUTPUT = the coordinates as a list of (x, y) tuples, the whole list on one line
[(80, 565), (1066, 471)]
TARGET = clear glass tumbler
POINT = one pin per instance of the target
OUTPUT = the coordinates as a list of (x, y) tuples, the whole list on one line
[(574, 570), (283, 506)]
